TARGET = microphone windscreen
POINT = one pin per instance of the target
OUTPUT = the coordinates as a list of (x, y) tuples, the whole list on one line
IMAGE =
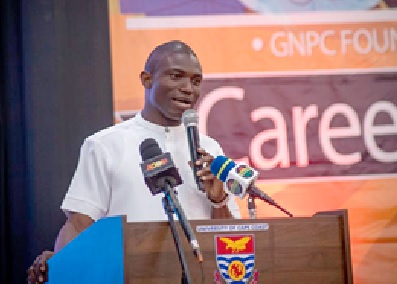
[(190, 118), (221, 166), (149, 148)]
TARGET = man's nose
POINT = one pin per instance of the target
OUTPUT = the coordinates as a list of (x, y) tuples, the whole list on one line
[(187, 85)]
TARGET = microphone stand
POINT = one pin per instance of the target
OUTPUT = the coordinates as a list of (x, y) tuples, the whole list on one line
[(169, 210), (251, 207)]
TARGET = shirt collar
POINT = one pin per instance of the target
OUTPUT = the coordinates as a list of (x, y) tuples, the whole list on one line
[(155, 127)]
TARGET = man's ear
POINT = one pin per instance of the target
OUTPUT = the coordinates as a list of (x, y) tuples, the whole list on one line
[(146, 79)]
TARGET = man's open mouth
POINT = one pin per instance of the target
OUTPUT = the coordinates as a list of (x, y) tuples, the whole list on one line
[(182, 101)]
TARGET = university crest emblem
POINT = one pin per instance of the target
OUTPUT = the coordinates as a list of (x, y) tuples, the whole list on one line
[(235, 257)]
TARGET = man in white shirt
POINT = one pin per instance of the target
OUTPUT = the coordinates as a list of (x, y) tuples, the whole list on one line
[(108, 179)]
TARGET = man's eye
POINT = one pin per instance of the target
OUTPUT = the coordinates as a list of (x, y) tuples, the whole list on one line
[(196, 81), (175, 76)]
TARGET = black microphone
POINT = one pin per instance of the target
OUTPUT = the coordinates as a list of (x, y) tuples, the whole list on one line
[(161, 175), (239, 180), (190, 120), (157, 167)]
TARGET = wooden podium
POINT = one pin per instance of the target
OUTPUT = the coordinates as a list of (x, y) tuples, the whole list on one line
[(287, 250)]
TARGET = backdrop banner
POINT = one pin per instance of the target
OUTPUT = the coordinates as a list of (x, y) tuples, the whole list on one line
[(303, 91)]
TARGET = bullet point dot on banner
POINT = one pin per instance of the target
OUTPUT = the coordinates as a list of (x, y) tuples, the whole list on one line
[(257, 44)]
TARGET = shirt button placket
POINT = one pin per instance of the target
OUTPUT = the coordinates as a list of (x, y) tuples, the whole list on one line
[(167, 139)]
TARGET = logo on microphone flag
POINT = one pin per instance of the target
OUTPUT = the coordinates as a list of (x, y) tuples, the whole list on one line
[(235, 257), (244, 171), (234, 185)]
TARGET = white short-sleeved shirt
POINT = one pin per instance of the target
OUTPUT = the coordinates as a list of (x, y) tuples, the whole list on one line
[(108, 180)]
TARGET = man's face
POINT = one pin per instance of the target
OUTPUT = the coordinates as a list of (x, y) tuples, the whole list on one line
[(175, 88)]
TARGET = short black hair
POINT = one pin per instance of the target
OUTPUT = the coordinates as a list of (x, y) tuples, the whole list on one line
[(162, 50)]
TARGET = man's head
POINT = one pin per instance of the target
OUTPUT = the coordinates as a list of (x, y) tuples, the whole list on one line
[(172, 79)]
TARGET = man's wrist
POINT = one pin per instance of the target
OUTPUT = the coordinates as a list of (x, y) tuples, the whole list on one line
[(219, 203)]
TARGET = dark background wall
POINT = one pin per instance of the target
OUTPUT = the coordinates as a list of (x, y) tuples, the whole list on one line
[(55, 90)]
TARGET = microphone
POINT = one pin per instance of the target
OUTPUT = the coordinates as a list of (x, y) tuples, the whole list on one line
[(190, 120), (239, 180), (157, 167), (160, 174)]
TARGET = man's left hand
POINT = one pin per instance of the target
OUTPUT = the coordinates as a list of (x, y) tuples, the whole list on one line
[(212, 185)]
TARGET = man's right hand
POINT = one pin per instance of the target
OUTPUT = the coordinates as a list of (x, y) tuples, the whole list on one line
[(38, 272), (74, 225)]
